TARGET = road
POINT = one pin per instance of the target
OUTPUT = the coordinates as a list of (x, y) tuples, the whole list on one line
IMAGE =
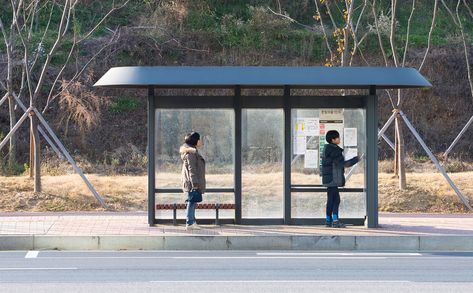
[(234, 271)]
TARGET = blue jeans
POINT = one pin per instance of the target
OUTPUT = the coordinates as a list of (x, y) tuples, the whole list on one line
[(333, 202), (190, 213)]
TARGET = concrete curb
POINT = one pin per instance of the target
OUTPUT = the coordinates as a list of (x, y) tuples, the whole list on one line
[(332, 243)]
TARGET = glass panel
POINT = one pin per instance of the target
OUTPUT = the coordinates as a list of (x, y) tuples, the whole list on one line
[(216, 126), (312, 205), (262, 157), (308, 140)]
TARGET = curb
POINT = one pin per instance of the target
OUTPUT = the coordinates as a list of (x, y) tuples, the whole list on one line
[(333, 243)]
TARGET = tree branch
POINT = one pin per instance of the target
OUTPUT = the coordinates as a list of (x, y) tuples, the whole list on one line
[(408, 32), (429, 40), (393, 31), (323, 28), (102, 20), (290, 19), (380, 40)]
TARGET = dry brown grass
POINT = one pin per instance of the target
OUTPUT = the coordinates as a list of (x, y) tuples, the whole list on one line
[(426, 192)]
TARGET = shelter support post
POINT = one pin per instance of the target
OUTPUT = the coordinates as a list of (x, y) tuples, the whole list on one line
[(151, 158), (372, 158), (287, 155), (237, 155)]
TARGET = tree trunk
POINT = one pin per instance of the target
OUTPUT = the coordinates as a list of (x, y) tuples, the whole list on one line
[(37, 155), (400, 153), (31, 149), (13, 140), (396, 151)]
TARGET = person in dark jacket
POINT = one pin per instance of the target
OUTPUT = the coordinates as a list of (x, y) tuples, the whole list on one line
[(192, 175), (333, 176)]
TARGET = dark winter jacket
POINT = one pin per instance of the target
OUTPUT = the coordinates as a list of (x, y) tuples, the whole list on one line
[(193, 169), (333, 166)]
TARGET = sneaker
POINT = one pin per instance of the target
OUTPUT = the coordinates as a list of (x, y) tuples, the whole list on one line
[(338, 224), (328, 224), (192, 227)]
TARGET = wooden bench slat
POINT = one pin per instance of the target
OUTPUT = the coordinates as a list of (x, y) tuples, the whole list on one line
[(182, 206)]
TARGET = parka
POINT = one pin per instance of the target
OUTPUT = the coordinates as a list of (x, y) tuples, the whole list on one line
[(333, 166), (193, 169)]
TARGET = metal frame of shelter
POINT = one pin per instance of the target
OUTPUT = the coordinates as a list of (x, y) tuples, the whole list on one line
[(285, 78)]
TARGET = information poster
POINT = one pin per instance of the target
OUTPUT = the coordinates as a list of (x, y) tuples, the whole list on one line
[(330, 119), (306, 132), (350, 153), (312, 126), (350, 138), (299, 144), (311, 159)]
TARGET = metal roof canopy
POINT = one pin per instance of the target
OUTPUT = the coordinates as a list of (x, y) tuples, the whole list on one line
[(371, 78), (262, 76)]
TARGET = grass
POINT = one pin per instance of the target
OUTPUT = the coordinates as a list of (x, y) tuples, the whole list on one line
[(426, 192), (123, 105)]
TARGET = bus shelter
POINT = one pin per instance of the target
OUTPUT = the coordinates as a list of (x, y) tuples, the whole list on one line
[(263, 152)]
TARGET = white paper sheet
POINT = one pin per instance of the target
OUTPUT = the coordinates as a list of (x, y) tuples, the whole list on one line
[(350, 153), (300, 144), (311, 159), (350, 137)]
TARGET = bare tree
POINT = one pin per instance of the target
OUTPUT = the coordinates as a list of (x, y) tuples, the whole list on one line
[(35, 69), (458, 23)]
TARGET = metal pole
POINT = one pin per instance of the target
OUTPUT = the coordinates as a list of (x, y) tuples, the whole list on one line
[(372, 158), (387, 140), (287, 155), (436, 162), (237, 107), (467, 125), (151, 158), (69, 158), (3, 99), (386, 125), (40, 129), (14, 129)]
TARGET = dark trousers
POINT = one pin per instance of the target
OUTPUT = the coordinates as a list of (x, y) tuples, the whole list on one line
[(333, 201)]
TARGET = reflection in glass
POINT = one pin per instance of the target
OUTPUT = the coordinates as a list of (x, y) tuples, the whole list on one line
[(216, 127), (262, 156)]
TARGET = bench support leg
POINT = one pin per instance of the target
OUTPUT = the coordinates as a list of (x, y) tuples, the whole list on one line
[(174, 215), (217, 222)]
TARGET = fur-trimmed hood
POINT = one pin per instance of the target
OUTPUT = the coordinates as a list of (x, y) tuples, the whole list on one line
[(186, 149)]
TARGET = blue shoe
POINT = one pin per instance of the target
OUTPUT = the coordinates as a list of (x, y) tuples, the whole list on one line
[(338, 224)]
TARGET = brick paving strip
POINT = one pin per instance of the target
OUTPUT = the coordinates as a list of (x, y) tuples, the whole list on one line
[(135, 223)]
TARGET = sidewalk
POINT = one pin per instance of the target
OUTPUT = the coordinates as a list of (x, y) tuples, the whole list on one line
[(407, 230)]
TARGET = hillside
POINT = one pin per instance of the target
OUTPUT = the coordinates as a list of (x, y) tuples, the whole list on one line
[(100, 126)]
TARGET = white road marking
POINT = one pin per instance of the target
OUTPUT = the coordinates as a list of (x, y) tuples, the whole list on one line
[(214, 257), (337, 254), (284, 281), (276, 257), (36, 269), (32, 254)]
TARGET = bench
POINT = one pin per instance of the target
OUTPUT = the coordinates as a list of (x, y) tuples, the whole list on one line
[(200, 206)]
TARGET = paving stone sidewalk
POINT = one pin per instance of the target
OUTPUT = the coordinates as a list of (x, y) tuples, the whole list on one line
[(135, 223)]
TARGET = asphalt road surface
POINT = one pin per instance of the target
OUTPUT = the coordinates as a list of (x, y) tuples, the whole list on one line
[(234, 271)]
